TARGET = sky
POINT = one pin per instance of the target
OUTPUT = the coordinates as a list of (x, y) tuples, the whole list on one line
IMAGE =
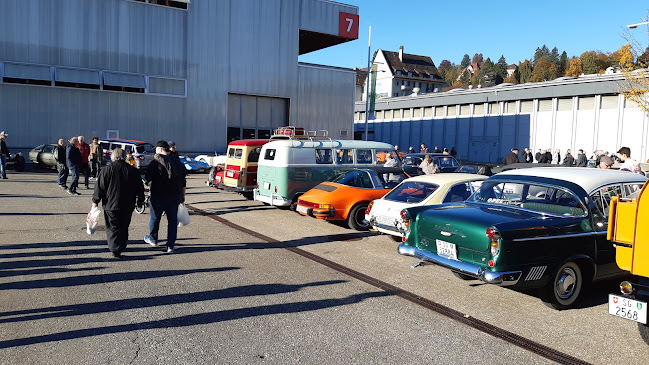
[(450, 29)]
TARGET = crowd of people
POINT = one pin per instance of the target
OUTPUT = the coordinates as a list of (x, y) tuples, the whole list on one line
[(602, 159)]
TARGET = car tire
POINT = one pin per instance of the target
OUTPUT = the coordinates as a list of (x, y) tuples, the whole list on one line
[(395, 238), (644, 332), (248, 195), (462, 276), (19, 163), (563, 291), (357, 216)]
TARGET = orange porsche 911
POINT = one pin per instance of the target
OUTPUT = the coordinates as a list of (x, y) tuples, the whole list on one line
[(345, 198)]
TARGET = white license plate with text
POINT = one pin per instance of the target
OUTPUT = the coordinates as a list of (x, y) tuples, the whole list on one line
[(302, 209), (446, 249), (229, 174), (626, 308)]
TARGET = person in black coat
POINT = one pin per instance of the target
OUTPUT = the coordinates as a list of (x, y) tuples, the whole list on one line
[(73, 160), (569, 160), (582, 161), (118, 186), (548, 156), (512, 157), (538, 156), (61, 166)]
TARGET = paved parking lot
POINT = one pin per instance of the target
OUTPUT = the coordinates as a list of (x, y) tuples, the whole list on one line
[(227, 296)]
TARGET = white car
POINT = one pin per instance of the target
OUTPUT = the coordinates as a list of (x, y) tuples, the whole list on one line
[(212, 160), (384, 214)]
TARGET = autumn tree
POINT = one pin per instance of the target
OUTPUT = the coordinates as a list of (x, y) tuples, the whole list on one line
[(544, 70), (636, 88), (525, 71), (574, 68), (623, 57), (539, 53), (477, 58), (643, 59), (589, 62), (444, 67)]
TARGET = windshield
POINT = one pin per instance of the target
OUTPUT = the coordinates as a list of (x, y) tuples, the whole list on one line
[(446, 162), (539, 198), (411, 192), (391, 179), (146, 147)]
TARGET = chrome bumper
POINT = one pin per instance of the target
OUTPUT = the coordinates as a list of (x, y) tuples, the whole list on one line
[(273, 199), (506, 278)]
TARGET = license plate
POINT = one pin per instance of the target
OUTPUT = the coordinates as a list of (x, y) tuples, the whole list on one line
[(626, 308), (446, 249), (267, 185), (301, 209), (385, 220), (229, 174)]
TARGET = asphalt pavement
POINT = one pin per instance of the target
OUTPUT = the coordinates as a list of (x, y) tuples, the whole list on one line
[(228, 297)]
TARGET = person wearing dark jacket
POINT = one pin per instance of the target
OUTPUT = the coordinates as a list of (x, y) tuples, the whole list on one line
[(117, 188), (167, 178), (538, 156), (512, 157), (4, 154), (569, 160), (548, 156), (61, 168), (581, 159), (73, 160)]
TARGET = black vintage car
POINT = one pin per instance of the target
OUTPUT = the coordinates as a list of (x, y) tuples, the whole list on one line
[(445, 163)]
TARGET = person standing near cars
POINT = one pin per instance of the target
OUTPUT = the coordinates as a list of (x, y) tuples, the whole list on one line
[(581, 159), (117, 188), (96, 157), (427, 166), (73, 161), (4, 154), (84, 148), (512, 157), (167, 178), (61, 168)]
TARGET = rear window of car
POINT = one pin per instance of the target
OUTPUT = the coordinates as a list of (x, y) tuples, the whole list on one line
[(412, 160), (356, 179), (411, 192), (235, 153), (270, 154), (445, 162), (538, 198), (253, 156), (146, 147)]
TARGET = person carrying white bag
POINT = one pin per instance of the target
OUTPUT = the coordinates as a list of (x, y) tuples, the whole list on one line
[(118, 187)]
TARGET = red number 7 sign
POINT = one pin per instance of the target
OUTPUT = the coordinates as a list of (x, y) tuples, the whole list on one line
[(348, 25)]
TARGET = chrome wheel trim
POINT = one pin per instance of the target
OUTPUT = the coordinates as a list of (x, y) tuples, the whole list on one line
[(565, 283)]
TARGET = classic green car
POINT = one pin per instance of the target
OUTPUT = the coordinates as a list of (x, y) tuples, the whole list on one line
[(532, 228)]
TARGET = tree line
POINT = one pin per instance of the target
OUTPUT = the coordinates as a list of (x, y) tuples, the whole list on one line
[(546, 65)]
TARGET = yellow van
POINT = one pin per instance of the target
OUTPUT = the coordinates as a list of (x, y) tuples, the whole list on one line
[(240, 173)]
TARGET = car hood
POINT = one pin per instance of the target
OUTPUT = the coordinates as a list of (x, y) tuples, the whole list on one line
[(466, 224)]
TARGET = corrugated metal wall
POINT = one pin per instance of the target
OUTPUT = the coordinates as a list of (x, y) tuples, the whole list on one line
[(227, 46)]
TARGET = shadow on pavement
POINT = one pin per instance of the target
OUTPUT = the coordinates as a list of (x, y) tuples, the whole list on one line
[(197, 319)]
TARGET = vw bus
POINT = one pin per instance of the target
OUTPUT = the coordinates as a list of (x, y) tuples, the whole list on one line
[(240, 172), (290, 167)]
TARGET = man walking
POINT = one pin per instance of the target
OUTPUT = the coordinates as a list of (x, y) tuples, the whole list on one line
[(581, 159), (85, 155), (96, 157), (4, 154), (73, 161), (118, 187), (168, 185), (61, 168)]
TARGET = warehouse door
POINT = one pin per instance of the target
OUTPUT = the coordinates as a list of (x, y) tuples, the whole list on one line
[(251, 116)]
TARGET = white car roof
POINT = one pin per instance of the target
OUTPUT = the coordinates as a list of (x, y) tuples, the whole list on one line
[(588, 178), (326, 143), (447, 178)]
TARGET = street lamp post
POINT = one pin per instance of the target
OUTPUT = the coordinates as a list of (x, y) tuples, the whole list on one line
[(633, 26), (367, 80)]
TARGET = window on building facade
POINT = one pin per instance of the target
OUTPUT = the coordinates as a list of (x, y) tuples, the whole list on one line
[(493, 109), (406, 113), (27, 74), (76, 78), (545, 105), (509, 107), (398, 72), (416, 113), (478, 109), (361, 116), (439, 111), (451, 111), (130, 83), (379, 114), (609, 102), (586, 103), (428, 112), (410, 74), (465, 110), (630, 104), (564, 104), (527, 107), (396, 94)]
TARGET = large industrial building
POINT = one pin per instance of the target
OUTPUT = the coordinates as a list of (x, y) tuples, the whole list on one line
[(484, 124), (199, 72)]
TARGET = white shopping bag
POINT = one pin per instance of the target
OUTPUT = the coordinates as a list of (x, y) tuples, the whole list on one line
[(183, 215), (91, 220)]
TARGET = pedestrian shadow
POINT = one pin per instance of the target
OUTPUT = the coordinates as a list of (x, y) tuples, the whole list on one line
[(136, 303), (41, 213), (197, 319), (66, 244), (71, 281), (22, 196), (47, 270)]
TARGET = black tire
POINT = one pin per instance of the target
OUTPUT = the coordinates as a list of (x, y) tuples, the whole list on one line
[(395, 238), (356, 218), (564, 289), (19, 163), (248, 195), (463, 276), (142, 209), (644, 332)]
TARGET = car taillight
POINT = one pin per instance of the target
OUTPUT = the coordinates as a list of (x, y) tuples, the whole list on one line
[(326, 206), (369, 208), (405, 217), (276, 189), (626, 287), (494, 237)]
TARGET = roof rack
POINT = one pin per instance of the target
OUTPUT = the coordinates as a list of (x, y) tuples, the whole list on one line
[(298, 133)]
